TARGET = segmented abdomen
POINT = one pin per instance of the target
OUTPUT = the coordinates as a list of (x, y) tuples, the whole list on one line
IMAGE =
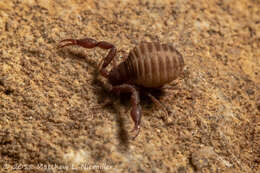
[(153, 65)]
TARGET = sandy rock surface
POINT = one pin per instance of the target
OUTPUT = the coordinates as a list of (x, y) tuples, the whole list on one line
[(51, 113)]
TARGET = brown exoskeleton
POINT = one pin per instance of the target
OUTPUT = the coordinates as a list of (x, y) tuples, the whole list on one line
[(149, 65)]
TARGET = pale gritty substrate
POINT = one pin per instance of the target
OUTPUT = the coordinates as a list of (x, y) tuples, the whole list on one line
[(50, 113)]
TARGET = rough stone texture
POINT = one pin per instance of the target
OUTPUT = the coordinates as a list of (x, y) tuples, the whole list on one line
[(50, 113)]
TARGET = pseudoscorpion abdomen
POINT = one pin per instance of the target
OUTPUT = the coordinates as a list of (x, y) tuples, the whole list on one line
[(152, 64)]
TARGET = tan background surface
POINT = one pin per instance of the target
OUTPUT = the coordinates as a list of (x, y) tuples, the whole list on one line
[(49, 98)]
